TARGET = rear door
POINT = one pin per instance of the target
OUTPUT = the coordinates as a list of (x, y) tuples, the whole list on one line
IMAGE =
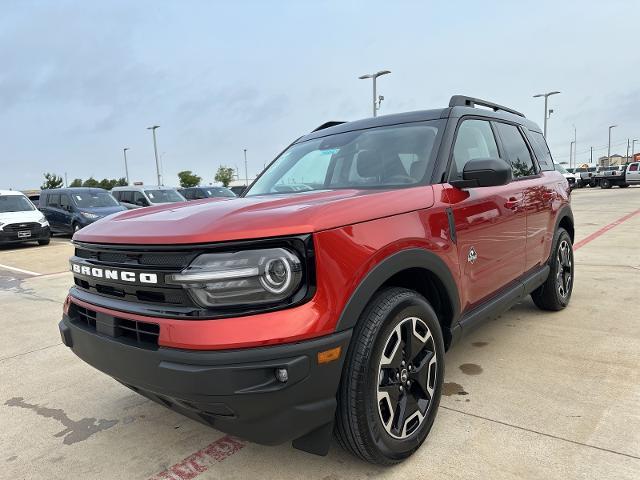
[(633, 173), (538, 191), (489, 221), (53, 211)]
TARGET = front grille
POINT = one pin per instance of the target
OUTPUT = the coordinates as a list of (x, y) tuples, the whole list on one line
[(161, 264), (142, 334), (18, 227)]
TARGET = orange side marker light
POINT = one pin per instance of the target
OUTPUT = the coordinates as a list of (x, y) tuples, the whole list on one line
[(329, 355)]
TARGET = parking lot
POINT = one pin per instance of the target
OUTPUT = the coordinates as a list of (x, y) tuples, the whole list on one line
[(530, 394)]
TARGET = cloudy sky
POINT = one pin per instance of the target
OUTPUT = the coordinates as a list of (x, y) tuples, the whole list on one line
[(81, 80)]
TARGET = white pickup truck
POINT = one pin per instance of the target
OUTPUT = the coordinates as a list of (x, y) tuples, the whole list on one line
[(623, 176)]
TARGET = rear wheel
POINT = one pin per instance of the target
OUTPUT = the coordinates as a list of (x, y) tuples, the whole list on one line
[(390, 389), (604, 183), (554, 294)]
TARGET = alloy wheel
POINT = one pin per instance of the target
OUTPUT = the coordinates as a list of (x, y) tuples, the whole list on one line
[(564, 269), (406, 378)]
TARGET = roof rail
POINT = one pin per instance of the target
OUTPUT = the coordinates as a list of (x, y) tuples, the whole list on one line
[(327, 125), (463, 101)]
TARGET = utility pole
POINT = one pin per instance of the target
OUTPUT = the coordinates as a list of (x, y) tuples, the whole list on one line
[(633, 148), (374, 76), (126, 167), (246, 175), (155, 151), (571, 152), (591, 161), (546, 107), (575, 147), (626, 158), (66, 183), (609, 146)]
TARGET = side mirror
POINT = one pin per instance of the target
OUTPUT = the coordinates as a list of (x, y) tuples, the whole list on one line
[(485, 172)]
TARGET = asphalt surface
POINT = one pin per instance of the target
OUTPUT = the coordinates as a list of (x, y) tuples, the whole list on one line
[(529, 395)]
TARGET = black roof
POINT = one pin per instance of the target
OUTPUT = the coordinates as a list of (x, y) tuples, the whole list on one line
[(460, 106)]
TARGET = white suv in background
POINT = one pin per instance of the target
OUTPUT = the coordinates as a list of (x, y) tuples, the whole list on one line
[(145, 196), (20, 220)]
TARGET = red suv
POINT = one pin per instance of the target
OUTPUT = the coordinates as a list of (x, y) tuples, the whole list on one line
[(323, 300)]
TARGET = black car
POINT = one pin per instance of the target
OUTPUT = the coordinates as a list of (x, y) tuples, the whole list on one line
[(198, 193)]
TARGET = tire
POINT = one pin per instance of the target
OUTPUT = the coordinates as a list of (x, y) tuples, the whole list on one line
[(374, 386), (555, 293), (604, 183), (44, 241)]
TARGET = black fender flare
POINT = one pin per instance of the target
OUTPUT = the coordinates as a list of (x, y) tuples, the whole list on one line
[(383, 271)]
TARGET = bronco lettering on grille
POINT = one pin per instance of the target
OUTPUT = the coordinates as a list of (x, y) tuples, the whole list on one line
[(113, 274)]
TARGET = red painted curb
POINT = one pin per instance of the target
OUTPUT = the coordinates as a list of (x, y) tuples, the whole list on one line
[(603, 230)]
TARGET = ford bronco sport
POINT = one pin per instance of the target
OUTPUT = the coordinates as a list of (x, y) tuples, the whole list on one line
[(323, 300)]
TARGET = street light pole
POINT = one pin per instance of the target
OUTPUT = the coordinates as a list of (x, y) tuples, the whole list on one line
[(246, 174), (575, 147), (155, 151), (571, 153), (374, 77), (126, 167), (633, 148), (546, 107), (609, 146)]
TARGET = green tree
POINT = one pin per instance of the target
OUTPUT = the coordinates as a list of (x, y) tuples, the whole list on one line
[(121, 182), (51, 180), (224, 175), (76, 183), (108, 184), (91, 182), (188, 179)]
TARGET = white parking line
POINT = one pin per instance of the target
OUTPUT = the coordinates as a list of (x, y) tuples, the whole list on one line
[(28, 272)]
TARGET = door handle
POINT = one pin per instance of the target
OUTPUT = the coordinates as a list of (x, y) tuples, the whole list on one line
[(512, 203)]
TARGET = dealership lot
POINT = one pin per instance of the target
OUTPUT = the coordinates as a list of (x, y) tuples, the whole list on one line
[(530, 394)]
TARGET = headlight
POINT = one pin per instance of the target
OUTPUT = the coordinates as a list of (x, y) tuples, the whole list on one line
[(1, 224), (90, 216), (43, 221), (248, 277)]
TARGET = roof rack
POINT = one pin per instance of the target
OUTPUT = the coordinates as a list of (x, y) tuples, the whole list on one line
[(462, 101), (327, 125)]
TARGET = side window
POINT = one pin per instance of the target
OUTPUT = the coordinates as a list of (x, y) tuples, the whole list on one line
[(140, 199), (474, 140), (188, 194), (541, 149), (64, 202), (127, 197), (199, 194), (116, 195), (54, 200), (633, 167), (517, 150)]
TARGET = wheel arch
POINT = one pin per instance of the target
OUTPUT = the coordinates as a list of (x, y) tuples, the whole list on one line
[(416, 269), (564, 220)]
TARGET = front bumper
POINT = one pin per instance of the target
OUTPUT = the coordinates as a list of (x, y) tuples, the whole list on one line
[(41, 233), (234, 391)]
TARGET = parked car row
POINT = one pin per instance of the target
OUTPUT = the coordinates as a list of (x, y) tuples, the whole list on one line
[(606, 177), (67, 210)]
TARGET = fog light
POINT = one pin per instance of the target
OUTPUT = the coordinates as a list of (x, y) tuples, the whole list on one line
[(282, 374)]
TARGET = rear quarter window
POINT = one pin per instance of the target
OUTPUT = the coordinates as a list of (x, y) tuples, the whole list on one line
[(541, 150)]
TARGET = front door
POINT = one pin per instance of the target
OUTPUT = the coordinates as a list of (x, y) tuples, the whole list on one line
[(633, 173), (490, 222)]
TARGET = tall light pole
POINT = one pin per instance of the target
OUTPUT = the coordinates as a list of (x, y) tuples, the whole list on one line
[(575, 147), (571, 152), (609, 147), (155, 151), (546, 106), (126, 167), (633, 148), (246, 170), (374, 77)]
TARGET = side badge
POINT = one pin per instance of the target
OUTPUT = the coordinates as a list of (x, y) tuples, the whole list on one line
[(473, 255)]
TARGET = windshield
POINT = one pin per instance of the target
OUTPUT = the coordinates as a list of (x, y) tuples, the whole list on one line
[(383, 157), (15, 203), (218, 192), (164, 196), (93, 199), (561, 169)]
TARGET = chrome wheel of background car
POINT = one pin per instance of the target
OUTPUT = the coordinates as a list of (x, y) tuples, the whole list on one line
[(407, 377), (564, 268)]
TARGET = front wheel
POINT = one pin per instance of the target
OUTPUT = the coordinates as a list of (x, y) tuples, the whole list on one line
[(554, 294), (390, 389)]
